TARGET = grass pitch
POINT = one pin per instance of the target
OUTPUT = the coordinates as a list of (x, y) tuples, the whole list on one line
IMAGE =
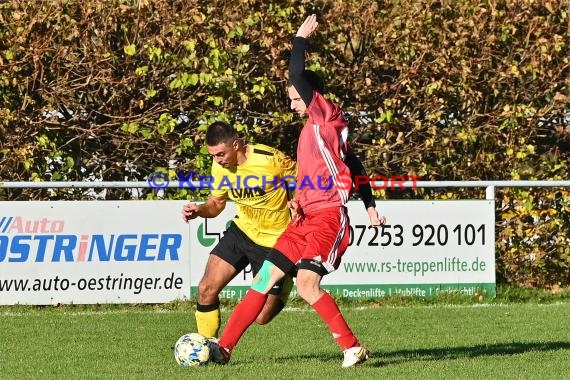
[(491, 341)]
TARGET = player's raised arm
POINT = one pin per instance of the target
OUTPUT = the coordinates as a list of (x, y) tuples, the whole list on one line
[(297, 61)]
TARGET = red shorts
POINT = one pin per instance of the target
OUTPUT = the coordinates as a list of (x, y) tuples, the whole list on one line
[(322, 235)]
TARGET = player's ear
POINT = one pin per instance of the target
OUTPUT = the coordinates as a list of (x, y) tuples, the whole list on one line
[(235, 144)]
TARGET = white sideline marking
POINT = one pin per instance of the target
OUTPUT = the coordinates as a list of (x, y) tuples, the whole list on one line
[(286, 309), (87, 312)]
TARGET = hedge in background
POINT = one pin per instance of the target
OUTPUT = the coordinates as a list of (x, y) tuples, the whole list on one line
[(465, 90)]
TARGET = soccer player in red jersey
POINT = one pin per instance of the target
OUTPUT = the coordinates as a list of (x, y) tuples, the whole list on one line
[(314, 242)]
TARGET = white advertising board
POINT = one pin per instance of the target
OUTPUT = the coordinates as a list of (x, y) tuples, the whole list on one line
[(89, 252), (426, 247)]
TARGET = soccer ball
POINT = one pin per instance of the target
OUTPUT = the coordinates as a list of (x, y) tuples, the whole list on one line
[(192, 350)]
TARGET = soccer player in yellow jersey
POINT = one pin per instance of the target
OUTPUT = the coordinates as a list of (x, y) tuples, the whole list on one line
[(253, 176)]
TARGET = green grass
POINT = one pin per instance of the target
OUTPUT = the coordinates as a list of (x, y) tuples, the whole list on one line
[(436, 341)]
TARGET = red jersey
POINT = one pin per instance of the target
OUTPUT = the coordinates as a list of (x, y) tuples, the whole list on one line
[(323, 179)]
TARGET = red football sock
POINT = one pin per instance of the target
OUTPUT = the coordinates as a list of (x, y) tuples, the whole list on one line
[(327, 308), (242, 317)]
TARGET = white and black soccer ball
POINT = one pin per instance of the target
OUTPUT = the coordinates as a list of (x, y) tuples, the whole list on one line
[(192, 350)]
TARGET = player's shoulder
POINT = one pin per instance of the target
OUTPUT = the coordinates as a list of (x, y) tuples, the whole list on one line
[(269, 157), (320, 102), (264, 150), (322, 108)]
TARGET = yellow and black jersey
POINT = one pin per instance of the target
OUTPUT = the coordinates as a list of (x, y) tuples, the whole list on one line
[(258, 188)]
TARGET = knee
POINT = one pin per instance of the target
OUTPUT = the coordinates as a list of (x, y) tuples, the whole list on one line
[(307, 292)]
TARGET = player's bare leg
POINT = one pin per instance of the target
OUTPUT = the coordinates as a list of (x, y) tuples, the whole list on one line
[(217, 275), (309, 286)]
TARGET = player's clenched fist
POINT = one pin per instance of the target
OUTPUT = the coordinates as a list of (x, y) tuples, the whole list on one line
[(189, 212)]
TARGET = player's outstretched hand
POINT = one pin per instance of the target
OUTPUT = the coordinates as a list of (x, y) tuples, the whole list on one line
[(375, 219), (189, 212), (308, 26)]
